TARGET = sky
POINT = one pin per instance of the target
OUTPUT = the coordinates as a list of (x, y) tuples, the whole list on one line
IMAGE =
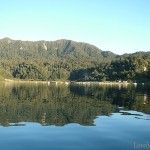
[(120, 26)]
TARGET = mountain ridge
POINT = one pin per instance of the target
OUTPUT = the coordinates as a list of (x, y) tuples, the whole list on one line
[(9, 40), (62, 47)]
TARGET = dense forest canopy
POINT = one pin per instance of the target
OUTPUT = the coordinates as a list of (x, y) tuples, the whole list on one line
[(69, 60)]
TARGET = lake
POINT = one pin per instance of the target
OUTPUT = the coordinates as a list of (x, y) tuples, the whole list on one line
[(54, 116)]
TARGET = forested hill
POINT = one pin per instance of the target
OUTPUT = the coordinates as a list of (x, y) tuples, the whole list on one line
[(46, 50), (69, 60), (43, 60)]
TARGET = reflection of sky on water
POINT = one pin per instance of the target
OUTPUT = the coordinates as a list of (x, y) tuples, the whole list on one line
[(116, 131)]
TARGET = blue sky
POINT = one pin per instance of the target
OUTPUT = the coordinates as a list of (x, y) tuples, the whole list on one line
[(120, 26)]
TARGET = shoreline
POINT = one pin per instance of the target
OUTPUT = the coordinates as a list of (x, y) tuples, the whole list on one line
[(72, 82)]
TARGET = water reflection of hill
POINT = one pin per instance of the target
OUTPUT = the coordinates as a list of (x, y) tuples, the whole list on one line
[(130, 97), (49, 105), (60, 105)]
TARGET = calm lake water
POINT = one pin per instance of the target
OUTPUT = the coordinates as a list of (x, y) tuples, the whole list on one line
[(74, 117)]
